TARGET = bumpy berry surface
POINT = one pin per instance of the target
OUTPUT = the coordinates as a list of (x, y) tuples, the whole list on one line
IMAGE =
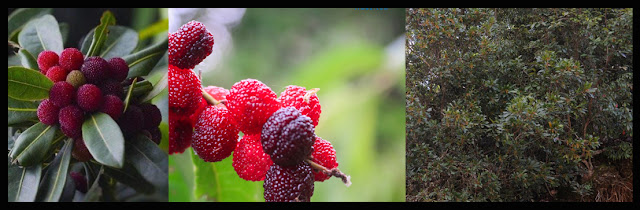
[(113, 106), (216, 92), (156, 135), (62, 94), (95, 70), (180, 131), (288, 184), (71, 118), (325, 155), (152, 115), (249, 160), (118, 68), (47, 59), (89, 97), (76, 78), (80, 151), (131, 121), (185, 91), (288, 137), (191, 44), (71, 59), (48, 112), (112, 87), (251, 103), (214, 136), (79, 180), (295, 96), (57, 73)]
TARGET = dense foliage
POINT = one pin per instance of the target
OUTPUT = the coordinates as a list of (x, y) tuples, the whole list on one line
[(519, 104)]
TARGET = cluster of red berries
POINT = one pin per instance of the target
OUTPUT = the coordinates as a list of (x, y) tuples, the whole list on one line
[(278, 144), (83, 86)]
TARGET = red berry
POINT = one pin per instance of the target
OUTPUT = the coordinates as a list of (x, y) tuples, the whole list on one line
[(80, 151), (288, 137), (184, 90), (57, 73), (48, 112), (112, 87), (156, 135), (305, 101), (152, 115), (251, 103), (71, 118), (62, 94), (288, 184), (89, 97), (191, 44), (325, 155), (79, 180), (214, 136), (71, 59), (131, 121), (95, 69), (118, 69), (249, 160), (47, 59), (180, 131), (112, 106), (217, 93)]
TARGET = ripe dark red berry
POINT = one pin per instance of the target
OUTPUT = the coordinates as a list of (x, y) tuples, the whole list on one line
[(131, 121), (249, 160), (71, 59), (152, 115), (95, 69), (112, 106), (118, 69), (288, 137), (302, 99), (251, 103), (180, 131), (47, 59), (71, 118), (57, 73), (80, 151), (89, 97), (185, 91), (288, 184), (112, 87), (191, 44), (156, 135), (62, 94), (214, 136), (79, 180), (48, 112), (325, 155)]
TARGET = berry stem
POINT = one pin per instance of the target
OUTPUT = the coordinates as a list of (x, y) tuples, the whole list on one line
[(346, 179), (309, 93), (210, 99)]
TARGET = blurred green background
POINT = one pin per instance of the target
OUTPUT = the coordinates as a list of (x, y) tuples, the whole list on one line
[(355, 57)]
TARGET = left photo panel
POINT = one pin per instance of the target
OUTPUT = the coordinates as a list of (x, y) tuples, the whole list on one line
[(87, 104)]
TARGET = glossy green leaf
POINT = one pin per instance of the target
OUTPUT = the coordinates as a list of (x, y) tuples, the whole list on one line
[(104, 139), (128, 96), (19, 17), (130, 176), (142, 62), (121, 41), (23, 182), (100, 34), (28, 60), (41, 34), (21, 111), (55, 177), (157, 88), (32, 145), (27, 84), (149, 160)]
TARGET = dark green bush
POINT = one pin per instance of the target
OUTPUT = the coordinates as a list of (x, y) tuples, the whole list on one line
[(517, 104)]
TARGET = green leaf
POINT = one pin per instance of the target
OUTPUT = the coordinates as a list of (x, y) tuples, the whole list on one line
[(127, 99), (41, 34), (129, 176), (100, 33), (120, 42), (104, 139), (21, 111), (28, 60), (142, 62), (32, 145), (149, 160), (21, 16), (23, 182), (157, 27), (157, 88), (54, 179), (94, 193), (218, 181), (27, 84)]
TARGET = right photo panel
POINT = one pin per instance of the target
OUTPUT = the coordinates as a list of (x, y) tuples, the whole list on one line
[(519, 105)]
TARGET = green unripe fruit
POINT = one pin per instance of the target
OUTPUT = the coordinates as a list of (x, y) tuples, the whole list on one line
[(76, 78)]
